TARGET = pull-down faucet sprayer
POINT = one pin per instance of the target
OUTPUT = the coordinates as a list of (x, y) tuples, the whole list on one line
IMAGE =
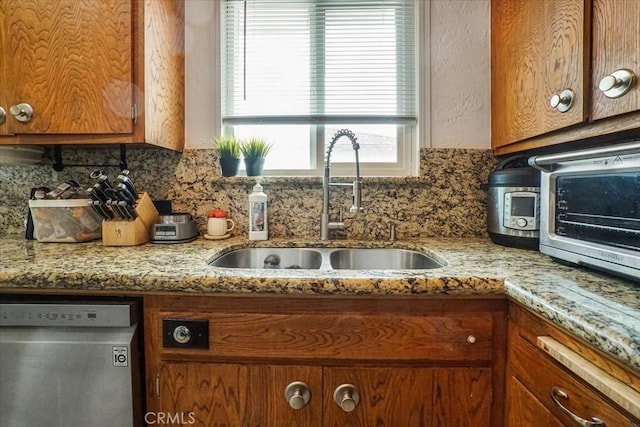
[(325, 224)]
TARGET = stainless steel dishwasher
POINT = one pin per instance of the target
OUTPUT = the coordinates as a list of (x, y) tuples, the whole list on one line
[(71, 363)]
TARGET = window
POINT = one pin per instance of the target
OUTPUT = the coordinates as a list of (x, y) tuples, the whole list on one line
[(296, 71)]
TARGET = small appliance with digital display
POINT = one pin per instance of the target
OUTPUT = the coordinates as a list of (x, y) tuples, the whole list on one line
[(174, 228), (521, 210), (513, 204)]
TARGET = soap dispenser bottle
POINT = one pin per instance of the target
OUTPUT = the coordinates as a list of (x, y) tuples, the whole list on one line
[(258, 229)]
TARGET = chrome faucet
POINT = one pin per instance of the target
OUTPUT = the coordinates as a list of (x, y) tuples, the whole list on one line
[(326, 226)]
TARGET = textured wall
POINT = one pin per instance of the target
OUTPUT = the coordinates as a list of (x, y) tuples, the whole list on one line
[(445, 200), (460, 88)]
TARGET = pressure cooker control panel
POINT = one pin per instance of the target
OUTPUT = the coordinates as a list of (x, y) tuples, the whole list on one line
[(522, 210)]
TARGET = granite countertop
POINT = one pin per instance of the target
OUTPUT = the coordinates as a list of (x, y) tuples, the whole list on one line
[(603, 310)]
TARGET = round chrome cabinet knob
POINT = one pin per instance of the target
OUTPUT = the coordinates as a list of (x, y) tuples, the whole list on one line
[(617, 83), (22, 112), (562, 101), (182, 334), (346, 397), (3, 115), (297, 394)]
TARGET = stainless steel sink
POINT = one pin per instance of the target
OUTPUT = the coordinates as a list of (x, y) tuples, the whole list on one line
[(271, 258), (327, 259), (380, 259)]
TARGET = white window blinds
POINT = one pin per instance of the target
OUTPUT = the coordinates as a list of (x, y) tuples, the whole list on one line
[(318, 61)]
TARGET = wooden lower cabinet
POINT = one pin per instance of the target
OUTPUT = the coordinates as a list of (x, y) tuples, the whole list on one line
[(214, 394), (543, 392), (364, 364), (217, 394), (411, 396), (525, 409)]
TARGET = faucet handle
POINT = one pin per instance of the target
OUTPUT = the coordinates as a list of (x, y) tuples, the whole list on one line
[(356, 199)]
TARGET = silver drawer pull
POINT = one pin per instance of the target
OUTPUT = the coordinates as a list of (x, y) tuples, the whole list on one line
[(297, 394), (557, 392), (346, 397)]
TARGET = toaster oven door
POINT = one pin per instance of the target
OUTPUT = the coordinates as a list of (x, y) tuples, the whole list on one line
[(599, 208)]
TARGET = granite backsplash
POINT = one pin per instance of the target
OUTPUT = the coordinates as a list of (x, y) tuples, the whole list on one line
[(445, 200)]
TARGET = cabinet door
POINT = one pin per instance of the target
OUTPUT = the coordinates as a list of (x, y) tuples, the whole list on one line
[(541, 376), (4, 105), (462, 397), (410, 397), (71, 61), (232, 395), (524, 410), (538, 49), (616, 46)]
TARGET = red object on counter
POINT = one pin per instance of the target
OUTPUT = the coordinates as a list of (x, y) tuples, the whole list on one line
[(217, 213)]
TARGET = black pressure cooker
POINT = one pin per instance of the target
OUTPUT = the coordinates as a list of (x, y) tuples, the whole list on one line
[(513, 204)]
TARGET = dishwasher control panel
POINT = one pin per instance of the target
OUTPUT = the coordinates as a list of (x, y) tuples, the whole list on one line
[(50, 314), (185, 333)]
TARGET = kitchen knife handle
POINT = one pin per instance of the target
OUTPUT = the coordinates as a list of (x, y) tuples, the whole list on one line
[(101, 210), (128, 183), (125, 194), (113, 204), (102, 179)]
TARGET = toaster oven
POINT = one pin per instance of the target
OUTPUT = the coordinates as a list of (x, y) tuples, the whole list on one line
[(590, 207)]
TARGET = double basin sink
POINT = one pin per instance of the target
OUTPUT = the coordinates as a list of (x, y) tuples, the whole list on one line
[(327, 258)]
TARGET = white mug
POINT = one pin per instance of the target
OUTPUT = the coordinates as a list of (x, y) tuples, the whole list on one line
[(219, 226)]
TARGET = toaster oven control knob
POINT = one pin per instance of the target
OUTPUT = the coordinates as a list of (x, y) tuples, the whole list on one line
[(521, 222), (182, 334), (617, 83), (562, 101)]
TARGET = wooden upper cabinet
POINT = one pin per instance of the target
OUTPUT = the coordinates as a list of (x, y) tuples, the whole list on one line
[(3, 70), (538, 51), (71, 61), (93, 72), (616, 46)]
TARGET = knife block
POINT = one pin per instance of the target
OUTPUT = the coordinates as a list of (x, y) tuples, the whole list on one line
[(133, 232)]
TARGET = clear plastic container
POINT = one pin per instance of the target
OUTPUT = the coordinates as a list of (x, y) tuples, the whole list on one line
[(70, 220)]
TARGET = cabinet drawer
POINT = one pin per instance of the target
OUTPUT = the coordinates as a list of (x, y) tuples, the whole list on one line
[(461, 337), (540, 375)]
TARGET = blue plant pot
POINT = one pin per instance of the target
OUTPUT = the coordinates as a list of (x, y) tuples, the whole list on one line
[(254, 166)]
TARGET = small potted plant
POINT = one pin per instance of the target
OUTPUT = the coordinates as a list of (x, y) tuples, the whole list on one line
[(254, 151), (229, 152)]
